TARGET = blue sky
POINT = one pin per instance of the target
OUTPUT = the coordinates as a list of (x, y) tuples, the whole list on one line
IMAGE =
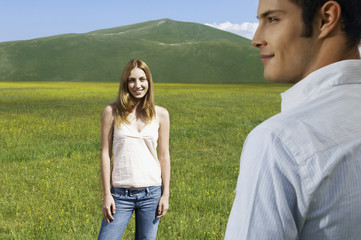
[(28, 19)]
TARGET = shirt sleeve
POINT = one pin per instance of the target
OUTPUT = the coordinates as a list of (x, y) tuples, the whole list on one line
[(265, 205)]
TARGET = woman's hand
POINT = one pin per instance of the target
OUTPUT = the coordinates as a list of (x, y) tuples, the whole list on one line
[(163, 206), (108, 208)]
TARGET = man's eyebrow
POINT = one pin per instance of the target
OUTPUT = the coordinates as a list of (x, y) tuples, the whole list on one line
[(265, 14)]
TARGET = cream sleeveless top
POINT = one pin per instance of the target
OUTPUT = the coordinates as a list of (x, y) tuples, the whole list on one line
[(135, 160)]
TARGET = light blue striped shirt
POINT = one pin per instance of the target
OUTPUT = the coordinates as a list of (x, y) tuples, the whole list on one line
[(300, 172)]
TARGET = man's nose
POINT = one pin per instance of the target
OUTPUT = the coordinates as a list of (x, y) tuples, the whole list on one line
[(258, 40)]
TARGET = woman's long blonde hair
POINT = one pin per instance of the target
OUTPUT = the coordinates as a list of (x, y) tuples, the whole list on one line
[(125, 102)]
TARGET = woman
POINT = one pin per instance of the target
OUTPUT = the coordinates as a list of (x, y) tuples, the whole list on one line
[(131, 129)]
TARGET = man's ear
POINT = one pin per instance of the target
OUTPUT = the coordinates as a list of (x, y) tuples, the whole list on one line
[(330, 18)]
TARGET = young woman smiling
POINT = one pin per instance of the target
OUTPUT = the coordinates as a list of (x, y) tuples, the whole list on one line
[(132, 127)]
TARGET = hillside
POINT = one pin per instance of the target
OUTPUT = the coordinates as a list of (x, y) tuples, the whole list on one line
[(175, 51)]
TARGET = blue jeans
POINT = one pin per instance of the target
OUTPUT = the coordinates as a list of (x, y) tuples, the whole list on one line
[(144, 202)]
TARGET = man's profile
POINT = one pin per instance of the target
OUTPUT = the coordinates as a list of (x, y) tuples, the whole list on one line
[(300, 170)]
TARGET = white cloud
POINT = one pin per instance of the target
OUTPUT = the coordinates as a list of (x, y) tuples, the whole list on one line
[(246, 29)]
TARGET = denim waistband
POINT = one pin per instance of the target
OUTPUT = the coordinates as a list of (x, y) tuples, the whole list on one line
[(131, 191)]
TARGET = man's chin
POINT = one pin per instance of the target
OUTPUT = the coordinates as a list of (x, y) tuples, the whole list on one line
[(276, 79)]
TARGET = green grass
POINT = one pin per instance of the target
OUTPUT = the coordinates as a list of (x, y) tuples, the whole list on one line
[(50, 149), (175, 51)]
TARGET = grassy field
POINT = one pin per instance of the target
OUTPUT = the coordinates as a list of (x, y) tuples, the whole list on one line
[(50, 149)]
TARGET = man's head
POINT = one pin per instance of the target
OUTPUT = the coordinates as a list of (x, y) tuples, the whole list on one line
[(350, 17), (297, 37)]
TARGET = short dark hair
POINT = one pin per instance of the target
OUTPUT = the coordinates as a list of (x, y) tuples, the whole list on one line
[(350, 17)]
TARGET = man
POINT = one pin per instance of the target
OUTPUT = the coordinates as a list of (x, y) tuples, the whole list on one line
[(300, 172)]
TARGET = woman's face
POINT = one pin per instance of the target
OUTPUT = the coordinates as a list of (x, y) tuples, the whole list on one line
[(138, 83)]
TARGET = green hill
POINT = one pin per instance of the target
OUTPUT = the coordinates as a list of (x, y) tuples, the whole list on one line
[(175, 51)]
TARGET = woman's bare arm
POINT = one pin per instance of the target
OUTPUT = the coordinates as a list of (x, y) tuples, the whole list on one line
[(164, 158), (106, 146)]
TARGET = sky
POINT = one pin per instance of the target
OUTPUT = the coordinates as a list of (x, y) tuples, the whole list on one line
[(28, 19)]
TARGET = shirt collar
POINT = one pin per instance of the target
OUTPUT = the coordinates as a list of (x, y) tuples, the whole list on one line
[(339, 73)]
